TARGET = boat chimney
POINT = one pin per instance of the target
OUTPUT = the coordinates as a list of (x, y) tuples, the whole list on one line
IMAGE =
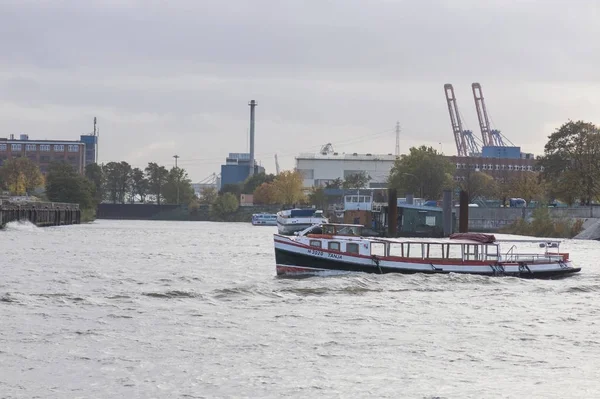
[(410, 199), (447, 212), (463, 222), (392, 212), (252, 105)]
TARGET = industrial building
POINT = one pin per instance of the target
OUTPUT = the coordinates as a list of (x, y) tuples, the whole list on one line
[(328, 165), (237, 168), (43, 152)]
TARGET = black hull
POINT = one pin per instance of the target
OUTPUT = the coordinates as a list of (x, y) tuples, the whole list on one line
[(286, 258)]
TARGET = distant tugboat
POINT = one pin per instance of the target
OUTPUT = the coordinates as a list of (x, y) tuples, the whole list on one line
[(294, 220), (324, 248)]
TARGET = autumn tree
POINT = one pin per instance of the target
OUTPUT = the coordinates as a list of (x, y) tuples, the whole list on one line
[(225, 205), (21, 175), (526, 185), (423, 171), (571, 162), (288, 187), (265, 194), (254, 181)]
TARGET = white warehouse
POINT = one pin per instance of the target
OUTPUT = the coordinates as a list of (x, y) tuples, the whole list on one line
[(321, 168)]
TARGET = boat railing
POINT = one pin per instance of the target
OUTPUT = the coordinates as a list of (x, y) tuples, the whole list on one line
[(523, 257)]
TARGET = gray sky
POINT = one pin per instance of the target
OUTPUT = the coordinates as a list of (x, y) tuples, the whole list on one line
[(167, 78)]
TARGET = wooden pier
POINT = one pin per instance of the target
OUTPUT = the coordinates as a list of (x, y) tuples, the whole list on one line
[(39, 213)]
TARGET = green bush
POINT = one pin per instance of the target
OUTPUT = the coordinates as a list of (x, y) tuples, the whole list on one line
[(542, 225)]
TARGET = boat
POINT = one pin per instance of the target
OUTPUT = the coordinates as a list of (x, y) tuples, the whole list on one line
[(331, 248), (291, 221), (264, 219)]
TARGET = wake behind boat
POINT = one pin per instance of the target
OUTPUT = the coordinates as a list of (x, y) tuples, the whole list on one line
[(340, 247), (293, 220)]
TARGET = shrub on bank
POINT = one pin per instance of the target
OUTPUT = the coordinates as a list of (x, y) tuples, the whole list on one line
[(542, 225)]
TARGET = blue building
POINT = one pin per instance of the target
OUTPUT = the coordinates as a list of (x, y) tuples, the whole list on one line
[(501, 152), (237, 168), (90, 142)]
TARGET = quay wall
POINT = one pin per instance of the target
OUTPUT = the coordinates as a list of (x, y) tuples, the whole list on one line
[(39, 213), (493, 219)]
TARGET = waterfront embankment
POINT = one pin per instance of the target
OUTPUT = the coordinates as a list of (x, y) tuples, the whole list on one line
[(39, 213)]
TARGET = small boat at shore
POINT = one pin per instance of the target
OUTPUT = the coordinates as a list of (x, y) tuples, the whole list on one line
[(291, 221), (327, 248), (264, 219)]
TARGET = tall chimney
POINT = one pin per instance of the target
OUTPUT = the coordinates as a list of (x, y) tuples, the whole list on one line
[(252, 105)]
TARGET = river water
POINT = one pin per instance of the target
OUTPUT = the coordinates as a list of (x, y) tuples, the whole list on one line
[(146, 309)]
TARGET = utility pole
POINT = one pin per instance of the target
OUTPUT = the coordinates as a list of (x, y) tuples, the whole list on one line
[(177, 171), (397, 139)]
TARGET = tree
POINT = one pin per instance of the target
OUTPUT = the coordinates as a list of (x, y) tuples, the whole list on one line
[(139, 185), (318, 198), (571, 162), (288, 187), (477, 184), (254, 181), (21, 175), (118, 180), (235, 189), (178, 188), (94, 173), (64, 184), (527, 185), (265, 194), (157, 178), (208, 196), (225, 205), (357, 180), (423, 171), (336, 183)]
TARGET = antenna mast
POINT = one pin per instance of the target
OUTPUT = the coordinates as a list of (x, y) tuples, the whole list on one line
[(397, 139)]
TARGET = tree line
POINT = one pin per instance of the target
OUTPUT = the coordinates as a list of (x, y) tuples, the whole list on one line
[(116, 182), (568, 171)]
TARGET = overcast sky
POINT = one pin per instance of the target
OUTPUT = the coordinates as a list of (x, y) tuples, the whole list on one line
[(175, 77)]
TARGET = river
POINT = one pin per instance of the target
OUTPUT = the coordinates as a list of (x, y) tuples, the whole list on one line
[(148, 309)]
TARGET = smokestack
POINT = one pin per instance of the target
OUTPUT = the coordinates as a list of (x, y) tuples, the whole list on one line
[(252, 105)]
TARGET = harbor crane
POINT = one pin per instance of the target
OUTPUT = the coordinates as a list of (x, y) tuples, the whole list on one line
[(491, 137), (466, 144)]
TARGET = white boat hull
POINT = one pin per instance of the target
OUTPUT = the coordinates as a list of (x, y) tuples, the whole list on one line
[(293, 259)]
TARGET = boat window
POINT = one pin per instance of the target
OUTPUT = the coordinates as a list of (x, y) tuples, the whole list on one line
[(315, 243), (334, 245), (416, 250), (378, 248), (352, 247), (434, 251), (328, 229)]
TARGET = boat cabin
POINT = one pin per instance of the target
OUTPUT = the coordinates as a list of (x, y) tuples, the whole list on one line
[(346, 239)]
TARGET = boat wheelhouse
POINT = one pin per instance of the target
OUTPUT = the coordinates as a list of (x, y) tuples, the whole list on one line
[(341, 248), (264, 219), (291, 221)]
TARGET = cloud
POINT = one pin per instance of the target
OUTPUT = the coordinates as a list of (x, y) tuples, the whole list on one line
[(167, 78)]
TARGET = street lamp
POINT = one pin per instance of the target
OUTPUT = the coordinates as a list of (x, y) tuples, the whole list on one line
[(419, 182), (177, 171)]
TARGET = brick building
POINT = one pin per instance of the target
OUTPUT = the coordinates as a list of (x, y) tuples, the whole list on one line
[(43, 152)]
